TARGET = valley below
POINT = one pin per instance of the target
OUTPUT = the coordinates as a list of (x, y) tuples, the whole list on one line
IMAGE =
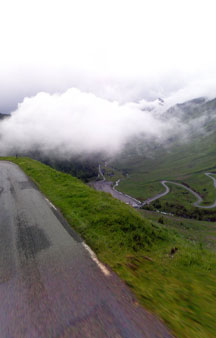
[(158, 234)]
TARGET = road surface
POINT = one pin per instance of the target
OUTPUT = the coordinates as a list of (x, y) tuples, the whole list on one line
[(100, 173), (51, 283), (107, 187), (196, 203)]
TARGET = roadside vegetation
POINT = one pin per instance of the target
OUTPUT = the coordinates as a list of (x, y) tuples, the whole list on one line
[(201, 232), (179, 202), (171, 274), (185, 163)]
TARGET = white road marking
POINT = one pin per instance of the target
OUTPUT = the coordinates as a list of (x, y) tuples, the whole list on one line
[(50, 203), (92, 254), (94, 258)]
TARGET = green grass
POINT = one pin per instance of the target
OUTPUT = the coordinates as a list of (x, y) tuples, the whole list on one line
[(184, 163), (179, 288), (179, 202), (201, 232)]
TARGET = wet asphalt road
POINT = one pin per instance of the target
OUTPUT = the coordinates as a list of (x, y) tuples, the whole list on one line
[(107, 186), (51, 285)]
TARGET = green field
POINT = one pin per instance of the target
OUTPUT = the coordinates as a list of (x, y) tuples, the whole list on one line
[(196, 231), (179, 202), (184, 163), (179, 287)]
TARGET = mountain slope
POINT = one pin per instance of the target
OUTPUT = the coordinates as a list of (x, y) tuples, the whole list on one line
[(183, 161), (139, 250)]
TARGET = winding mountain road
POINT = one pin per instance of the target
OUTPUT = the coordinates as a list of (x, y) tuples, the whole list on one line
[(51, 283), (107, 186), (196, 203)]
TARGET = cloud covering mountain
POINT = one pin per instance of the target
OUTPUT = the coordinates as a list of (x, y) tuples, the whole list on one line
[(76, 122), (79, 123), (119, 50), (117, 56)]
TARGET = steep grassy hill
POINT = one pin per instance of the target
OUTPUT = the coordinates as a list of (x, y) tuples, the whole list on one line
[(170, 274)]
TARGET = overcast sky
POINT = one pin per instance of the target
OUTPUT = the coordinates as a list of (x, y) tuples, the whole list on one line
[(122, 50)]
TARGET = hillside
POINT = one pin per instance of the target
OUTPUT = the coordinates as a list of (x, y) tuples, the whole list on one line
[(182, 161), (170, 274)]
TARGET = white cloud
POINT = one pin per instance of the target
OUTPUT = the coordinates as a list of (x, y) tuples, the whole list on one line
[(76, 122), (124, 50), (113, 52)]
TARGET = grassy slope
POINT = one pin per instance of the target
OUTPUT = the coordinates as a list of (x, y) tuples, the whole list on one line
[(182, 163), (196, 231), (180, 289)]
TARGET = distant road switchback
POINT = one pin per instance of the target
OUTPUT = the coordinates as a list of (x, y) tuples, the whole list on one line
[(51, 283), (199, 198), (107, 186)]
